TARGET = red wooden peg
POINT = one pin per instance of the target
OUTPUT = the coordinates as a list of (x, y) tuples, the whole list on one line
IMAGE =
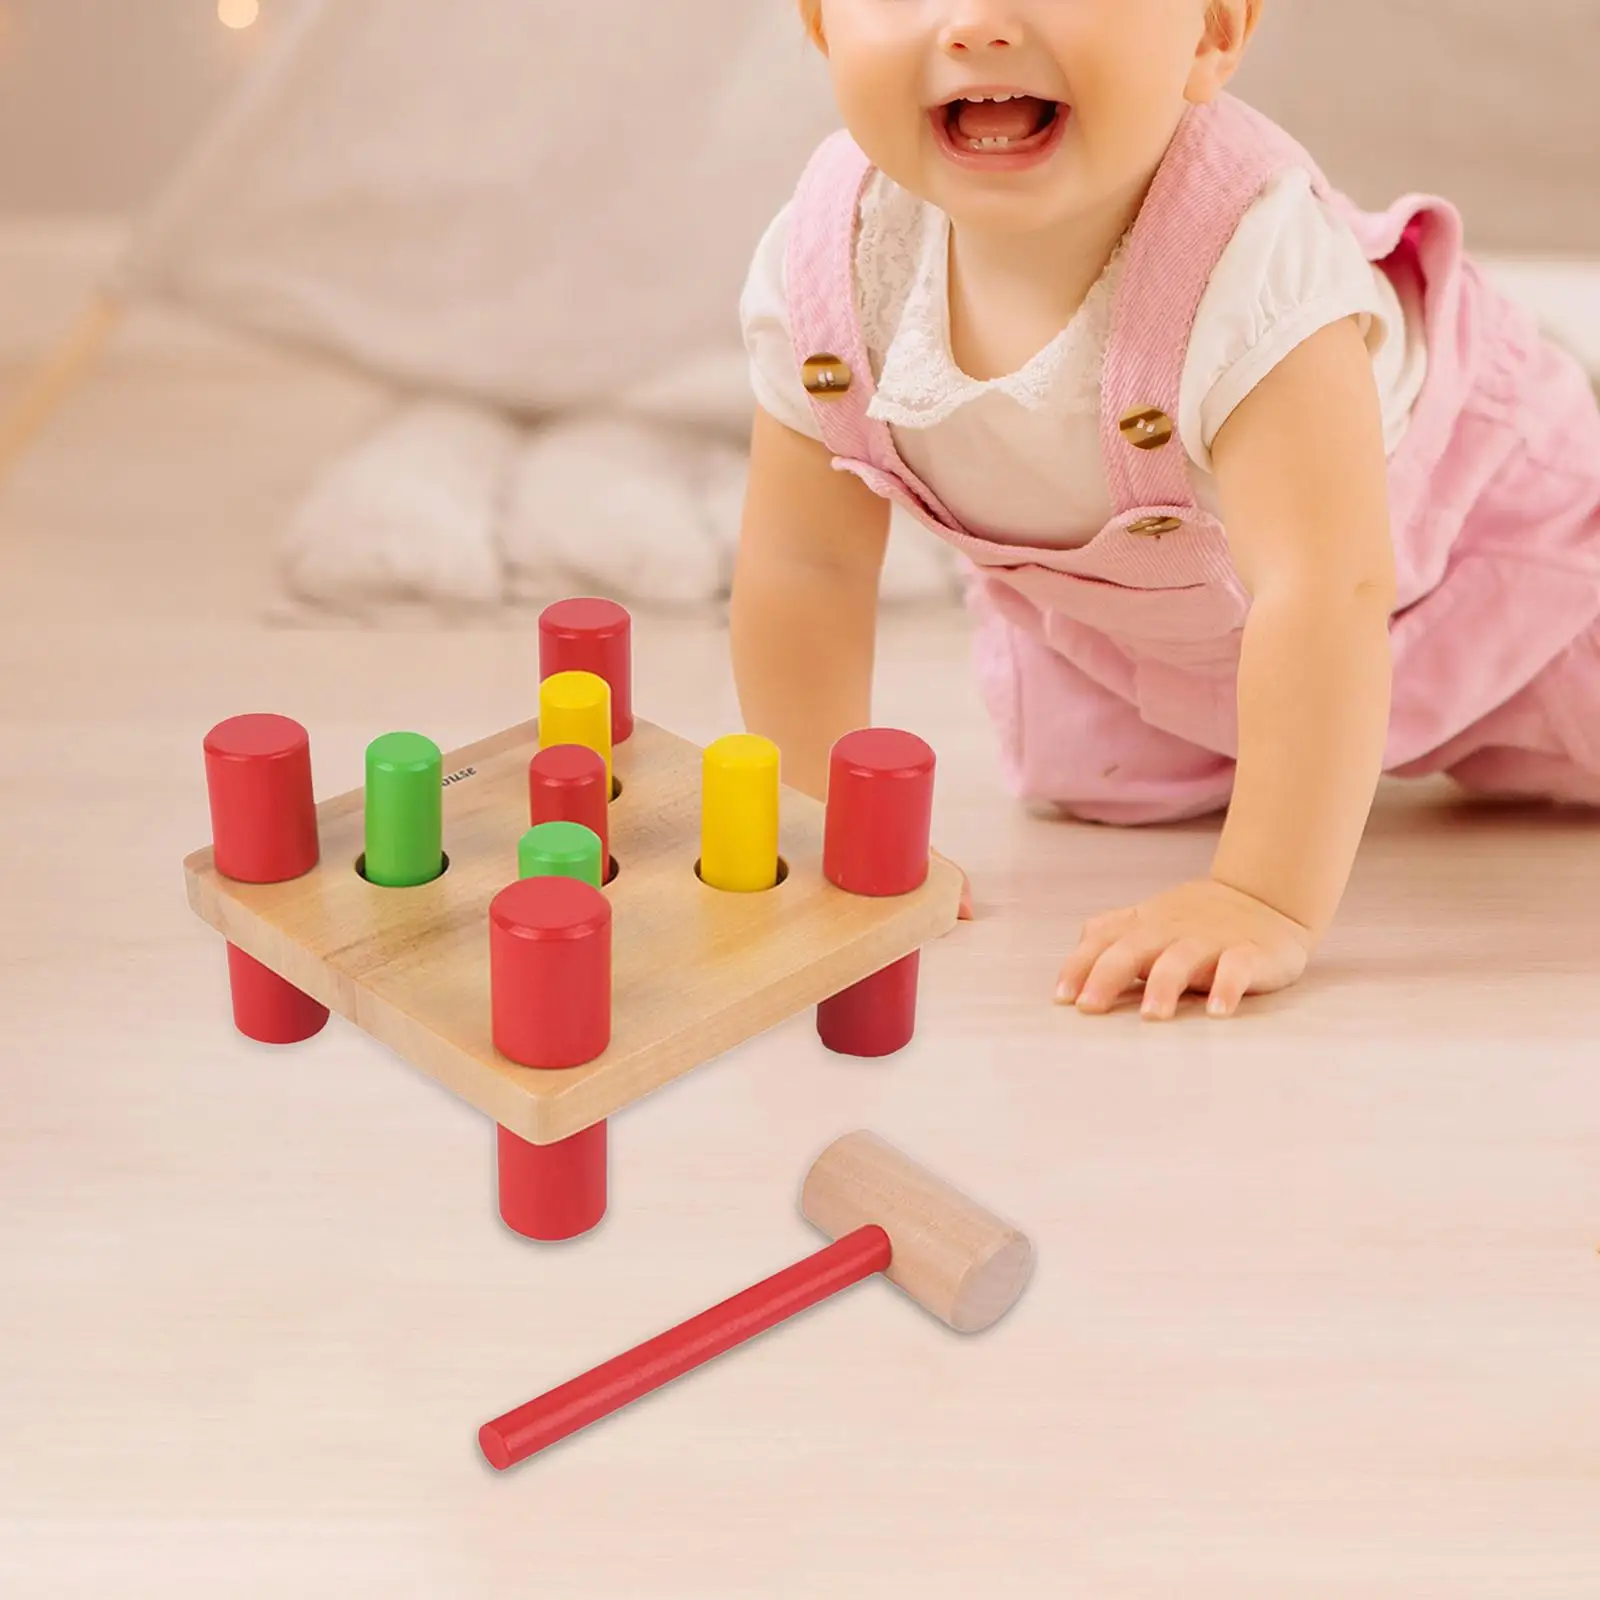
[(586, 634), (876, 841), (550, 997), (567, 783), (263, 830)]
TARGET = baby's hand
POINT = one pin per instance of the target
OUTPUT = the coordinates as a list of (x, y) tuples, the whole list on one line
[(1200, 935)]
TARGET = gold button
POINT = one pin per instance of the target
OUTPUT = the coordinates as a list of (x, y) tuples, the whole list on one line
[(1145, 428), (1155, 525), (825, 376)]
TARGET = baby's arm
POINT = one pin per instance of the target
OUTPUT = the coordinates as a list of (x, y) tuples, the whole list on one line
[(1302, 475), (1303, 481), (803, 612)]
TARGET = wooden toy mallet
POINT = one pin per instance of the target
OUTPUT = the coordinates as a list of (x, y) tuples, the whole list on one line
[(884, 1212)]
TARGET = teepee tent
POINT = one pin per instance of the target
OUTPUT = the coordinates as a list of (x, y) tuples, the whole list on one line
[(1490, 104)]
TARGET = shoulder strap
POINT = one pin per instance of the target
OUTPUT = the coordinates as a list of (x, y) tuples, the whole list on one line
[(1221, 158), (823, 324)]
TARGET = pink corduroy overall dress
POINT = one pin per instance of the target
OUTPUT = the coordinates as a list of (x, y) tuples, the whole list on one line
[(1110, 669)]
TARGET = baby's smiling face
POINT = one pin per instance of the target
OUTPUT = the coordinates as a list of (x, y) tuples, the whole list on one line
[(1019, 115)]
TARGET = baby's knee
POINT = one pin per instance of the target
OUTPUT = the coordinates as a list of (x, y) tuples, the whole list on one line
[(1140, 811)]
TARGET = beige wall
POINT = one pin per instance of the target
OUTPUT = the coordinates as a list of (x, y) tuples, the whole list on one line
[(99, 98), (1492, 103)]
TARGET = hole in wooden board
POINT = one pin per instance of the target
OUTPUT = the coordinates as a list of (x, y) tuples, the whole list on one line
[(783, 872), (444, 867)]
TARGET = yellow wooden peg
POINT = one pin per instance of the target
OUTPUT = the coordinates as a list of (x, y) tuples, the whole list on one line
[(575, 708), (739, 813)]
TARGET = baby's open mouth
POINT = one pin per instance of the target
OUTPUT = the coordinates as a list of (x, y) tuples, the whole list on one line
[(1010, 122)]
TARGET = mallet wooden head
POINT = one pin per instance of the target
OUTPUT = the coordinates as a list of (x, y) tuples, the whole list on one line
[(952, 1256)]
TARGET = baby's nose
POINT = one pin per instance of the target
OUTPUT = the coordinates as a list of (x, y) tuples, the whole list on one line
[(979, 27)]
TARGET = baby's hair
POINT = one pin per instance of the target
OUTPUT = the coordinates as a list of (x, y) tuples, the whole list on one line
[(811, 15)]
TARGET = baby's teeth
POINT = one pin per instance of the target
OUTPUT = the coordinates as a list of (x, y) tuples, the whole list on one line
[(998, 142)]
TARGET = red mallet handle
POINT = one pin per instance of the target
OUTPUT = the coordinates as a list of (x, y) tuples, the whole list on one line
[(552, 1417)]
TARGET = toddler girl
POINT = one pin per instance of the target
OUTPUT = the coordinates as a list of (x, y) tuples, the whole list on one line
[(1262, 496)]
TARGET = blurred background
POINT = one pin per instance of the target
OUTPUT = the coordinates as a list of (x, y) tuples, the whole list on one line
[(101, 100), (456, 274)]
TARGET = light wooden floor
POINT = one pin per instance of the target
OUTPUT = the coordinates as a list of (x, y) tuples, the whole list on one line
[(1318, 1305)]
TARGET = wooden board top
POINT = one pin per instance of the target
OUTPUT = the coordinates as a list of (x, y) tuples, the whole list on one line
[(696, 971)]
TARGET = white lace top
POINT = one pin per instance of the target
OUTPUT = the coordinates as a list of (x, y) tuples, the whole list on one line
[(1018, 457)]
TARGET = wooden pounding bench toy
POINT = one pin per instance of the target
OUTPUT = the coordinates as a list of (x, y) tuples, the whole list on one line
[(561, 918)]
